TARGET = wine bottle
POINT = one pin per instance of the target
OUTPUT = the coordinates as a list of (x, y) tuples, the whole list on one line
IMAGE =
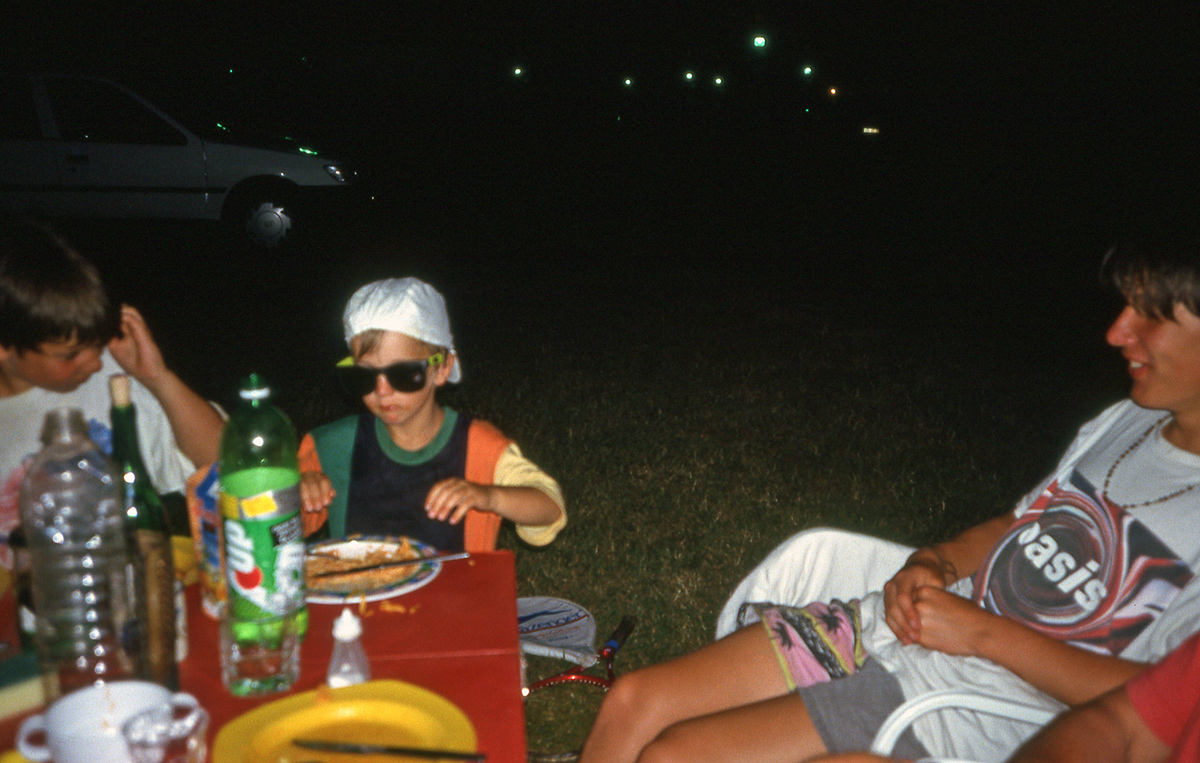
[(146, 518)]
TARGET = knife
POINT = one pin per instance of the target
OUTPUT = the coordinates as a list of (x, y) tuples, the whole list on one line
[(378, 749), (386, 565)]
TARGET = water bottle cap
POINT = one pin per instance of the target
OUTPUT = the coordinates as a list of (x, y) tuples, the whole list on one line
[(347, 626), (61, 424)]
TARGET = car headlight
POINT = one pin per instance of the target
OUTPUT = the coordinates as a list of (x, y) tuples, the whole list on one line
[(338, 173)]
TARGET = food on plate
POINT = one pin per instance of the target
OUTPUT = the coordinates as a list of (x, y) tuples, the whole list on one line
[(352, 555)]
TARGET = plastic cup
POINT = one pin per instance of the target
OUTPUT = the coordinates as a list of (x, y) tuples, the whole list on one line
[(167, 734), (259, 655)]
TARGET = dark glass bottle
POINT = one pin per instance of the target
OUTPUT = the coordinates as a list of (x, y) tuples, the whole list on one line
[(146, 519)]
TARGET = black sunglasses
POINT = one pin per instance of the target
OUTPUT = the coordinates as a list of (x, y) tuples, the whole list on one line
[(405, 376)]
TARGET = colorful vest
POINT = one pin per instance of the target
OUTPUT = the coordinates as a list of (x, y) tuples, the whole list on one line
[(388, 497)]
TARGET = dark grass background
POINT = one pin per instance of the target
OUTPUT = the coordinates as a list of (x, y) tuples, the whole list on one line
[(716, 321), (702, 381)]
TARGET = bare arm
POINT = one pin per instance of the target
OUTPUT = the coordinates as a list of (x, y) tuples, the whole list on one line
[(955, 625), (1107, 730), (195, 424), (920, 611), (938, 566), (450, 499)]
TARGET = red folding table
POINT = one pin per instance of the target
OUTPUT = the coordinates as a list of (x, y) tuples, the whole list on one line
[(456, 636)]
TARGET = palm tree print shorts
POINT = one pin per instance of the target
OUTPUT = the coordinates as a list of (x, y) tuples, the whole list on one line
[(815, 643)]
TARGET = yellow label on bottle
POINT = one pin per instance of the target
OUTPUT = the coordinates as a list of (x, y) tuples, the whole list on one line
[(262, 505)]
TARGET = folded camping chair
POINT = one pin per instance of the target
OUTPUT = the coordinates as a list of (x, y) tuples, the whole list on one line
[(903, 716)]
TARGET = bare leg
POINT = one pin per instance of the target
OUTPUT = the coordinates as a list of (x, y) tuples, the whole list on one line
[(739, 670), (853, 757), (776, 730)]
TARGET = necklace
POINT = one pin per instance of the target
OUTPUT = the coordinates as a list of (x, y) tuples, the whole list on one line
[(1112, 470)]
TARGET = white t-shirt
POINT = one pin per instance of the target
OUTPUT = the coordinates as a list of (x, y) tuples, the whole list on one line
[(1075, 564), (22, 416)]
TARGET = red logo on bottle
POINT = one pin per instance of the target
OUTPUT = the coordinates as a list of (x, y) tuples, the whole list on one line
[(239, 555)]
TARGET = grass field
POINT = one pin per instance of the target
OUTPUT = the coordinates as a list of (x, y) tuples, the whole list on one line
[(702, 388)]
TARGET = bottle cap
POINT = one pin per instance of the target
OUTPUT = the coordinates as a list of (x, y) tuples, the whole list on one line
[(118, 385), (347, 626), (254, 387), (61, 424)]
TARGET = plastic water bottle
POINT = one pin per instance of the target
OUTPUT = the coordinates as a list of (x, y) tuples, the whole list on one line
[(260, 510), (85, 602), (147, 524), (348, 664)]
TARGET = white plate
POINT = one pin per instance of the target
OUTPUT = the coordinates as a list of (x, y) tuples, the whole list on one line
[(358, 546)]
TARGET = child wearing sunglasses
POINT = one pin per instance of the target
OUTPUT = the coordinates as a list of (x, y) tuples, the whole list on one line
[(410, 466)]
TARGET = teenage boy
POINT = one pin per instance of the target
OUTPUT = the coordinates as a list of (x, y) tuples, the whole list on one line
[(409, 466), (60, 341), (1091, 576)]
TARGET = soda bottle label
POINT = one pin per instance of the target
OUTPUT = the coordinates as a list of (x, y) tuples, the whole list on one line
[(264, 552)]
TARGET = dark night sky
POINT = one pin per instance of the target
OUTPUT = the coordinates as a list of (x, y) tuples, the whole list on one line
[(1016, 94), (888, 52)]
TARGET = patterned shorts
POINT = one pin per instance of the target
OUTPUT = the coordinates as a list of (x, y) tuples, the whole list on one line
[(815, 643)]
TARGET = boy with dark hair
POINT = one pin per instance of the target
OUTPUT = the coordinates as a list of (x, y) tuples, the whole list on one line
[(57, 330), (1092, 575)]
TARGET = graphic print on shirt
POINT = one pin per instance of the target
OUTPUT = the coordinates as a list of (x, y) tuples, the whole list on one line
[(1080, 568)]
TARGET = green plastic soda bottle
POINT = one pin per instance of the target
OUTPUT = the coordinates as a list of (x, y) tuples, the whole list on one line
[(259, 479)]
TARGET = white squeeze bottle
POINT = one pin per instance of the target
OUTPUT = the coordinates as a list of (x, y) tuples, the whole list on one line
[(348, 664)]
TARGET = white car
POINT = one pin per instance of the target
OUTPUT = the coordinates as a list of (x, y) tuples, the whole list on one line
[(80, 146)]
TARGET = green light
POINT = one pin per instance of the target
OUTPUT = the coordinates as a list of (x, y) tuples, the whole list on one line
[(688, 76), (222, 127), (760, 41), (517, 72), (719, 81), (628, 82), (808, 71), (308, 151)]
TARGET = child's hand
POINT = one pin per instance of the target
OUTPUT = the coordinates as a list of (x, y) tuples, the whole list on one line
[(135, 350), (450, 499), (316, 491)]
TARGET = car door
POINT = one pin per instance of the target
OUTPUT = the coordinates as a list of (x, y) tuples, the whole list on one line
[(29, 163), (120, 157)]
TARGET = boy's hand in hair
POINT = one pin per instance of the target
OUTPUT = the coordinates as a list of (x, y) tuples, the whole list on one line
[(195, 423), (136, 351)]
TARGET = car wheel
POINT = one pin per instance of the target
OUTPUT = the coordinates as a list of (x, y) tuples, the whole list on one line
[(268, 224), (263, 215)]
